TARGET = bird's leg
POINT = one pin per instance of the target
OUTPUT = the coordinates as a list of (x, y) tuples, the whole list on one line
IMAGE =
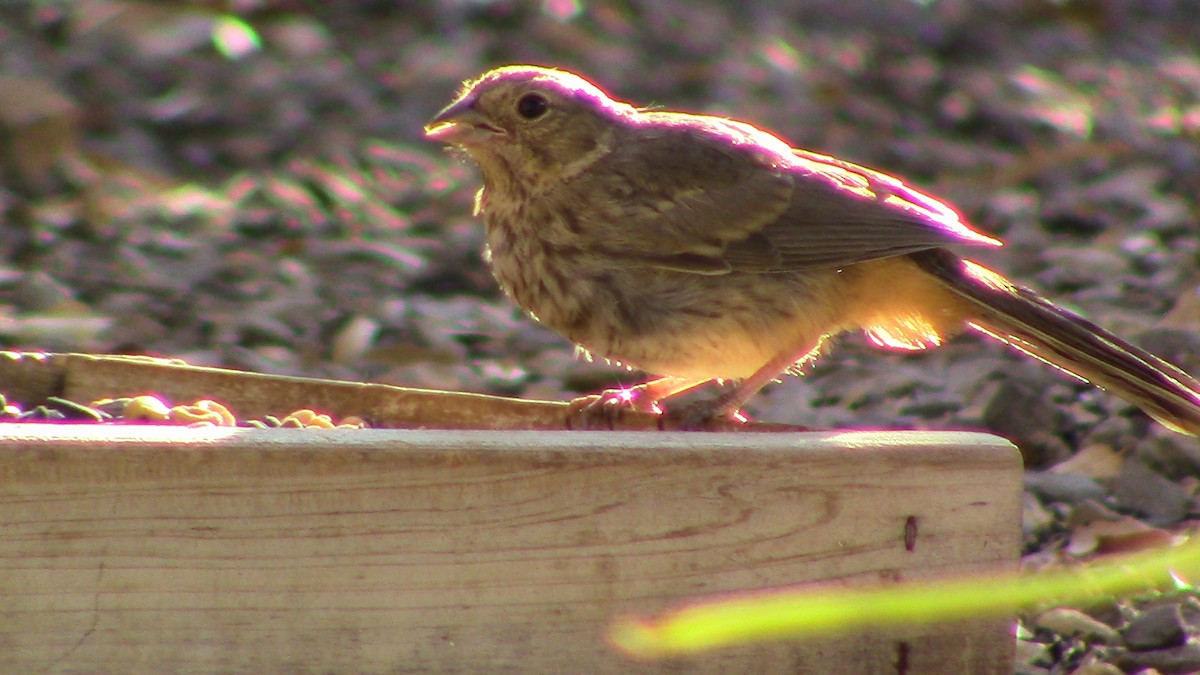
[(603, 409), (696, 415)]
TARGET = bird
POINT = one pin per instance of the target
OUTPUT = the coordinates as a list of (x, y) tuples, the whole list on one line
[(698, 248)]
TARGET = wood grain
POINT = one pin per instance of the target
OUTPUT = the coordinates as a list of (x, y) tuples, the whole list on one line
[(151, 549)]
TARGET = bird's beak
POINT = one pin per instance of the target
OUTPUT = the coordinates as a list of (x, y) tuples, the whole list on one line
[(461, 123)]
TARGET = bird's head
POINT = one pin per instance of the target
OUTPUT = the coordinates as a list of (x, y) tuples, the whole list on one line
[(529, 124)]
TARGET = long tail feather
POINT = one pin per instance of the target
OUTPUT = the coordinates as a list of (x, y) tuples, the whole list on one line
[(1066, 340)]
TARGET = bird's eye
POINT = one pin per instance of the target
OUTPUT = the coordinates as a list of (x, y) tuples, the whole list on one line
[(532, 106)]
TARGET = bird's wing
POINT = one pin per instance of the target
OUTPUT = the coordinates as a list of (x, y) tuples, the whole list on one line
[(721, 203), (677, 197), (841, 213)]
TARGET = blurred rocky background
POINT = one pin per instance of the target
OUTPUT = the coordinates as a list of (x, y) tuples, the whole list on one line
[(244, 184)]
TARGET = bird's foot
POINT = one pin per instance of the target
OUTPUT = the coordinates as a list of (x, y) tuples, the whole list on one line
[(606, 409), (701, 415)]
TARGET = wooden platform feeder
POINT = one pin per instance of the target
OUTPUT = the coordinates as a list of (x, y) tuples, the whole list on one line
[(481, 537)]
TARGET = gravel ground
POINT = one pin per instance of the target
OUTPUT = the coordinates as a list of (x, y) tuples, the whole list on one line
[(265, 201)]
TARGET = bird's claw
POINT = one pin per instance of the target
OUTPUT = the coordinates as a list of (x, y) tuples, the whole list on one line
[(700, 415), (606, 409)]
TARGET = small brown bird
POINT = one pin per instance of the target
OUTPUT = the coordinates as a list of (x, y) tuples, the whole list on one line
[(702, 248)]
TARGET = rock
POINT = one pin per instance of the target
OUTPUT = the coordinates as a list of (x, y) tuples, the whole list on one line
[(1029, 419), (1156, 628), (1144, 491), (1031, 657), (1182, 659), (1071, 622), (1035, 519), (1098, 668), (1097, 461), (1071, 488)]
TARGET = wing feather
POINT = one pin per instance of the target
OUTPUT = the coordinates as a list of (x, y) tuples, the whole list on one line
[(725, 197)]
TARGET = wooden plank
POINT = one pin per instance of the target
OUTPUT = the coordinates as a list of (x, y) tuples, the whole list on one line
[(30, 378), (154, 549)]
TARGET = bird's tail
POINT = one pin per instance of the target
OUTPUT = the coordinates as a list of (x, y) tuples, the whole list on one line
[(1034, 325)]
